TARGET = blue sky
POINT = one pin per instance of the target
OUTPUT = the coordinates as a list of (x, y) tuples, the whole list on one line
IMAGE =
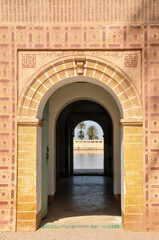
[(89, 123)]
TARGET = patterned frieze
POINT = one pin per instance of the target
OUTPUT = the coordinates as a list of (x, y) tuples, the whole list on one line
[(30, 62)]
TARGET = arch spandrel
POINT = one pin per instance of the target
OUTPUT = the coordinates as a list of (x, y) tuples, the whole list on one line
[(104, 71)]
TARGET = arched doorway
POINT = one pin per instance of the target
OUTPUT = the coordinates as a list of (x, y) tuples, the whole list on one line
[(79, 111), (119, 93), (97, 197)]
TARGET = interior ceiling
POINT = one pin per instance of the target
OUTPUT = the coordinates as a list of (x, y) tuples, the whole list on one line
[(85, 110)]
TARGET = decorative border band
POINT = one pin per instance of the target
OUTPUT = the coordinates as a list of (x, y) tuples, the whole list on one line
[(82, 226)]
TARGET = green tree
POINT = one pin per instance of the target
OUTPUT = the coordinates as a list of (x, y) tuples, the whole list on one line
[(92, 133), (81, 126)]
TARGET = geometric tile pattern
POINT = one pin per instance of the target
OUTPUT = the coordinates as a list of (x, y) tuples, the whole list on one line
[(83, 226)]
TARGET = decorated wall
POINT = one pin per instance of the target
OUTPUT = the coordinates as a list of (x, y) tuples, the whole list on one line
[(112, 26)]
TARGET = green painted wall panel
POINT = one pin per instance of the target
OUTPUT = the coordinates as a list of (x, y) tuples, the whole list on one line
[(45, 144)]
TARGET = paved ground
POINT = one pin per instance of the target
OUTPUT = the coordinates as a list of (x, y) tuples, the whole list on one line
[(79, 234)]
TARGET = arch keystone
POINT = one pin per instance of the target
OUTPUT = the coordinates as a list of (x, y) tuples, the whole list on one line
[(80, 61)]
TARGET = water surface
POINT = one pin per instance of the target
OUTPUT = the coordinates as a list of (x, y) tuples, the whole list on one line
[(88, 159)]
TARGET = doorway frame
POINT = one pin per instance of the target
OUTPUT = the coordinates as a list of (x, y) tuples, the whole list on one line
[(31, 104)]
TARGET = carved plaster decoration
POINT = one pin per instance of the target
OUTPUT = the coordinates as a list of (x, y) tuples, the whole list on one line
[(80, 61)]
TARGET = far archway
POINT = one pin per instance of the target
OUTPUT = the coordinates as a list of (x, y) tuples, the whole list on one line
[(68, 119), (88, 149)]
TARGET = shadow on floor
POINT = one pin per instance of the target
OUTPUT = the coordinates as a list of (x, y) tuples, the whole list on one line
[(84, 200), (88, 172)]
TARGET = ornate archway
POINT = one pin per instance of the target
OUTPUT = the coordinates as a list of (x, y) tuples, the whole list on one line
[(122, 89), (116, 80)]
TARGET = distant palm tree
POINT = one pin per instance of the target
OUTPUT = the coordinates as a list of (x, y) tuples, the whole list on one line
[(81, 126), (92, 132), (80, 134)]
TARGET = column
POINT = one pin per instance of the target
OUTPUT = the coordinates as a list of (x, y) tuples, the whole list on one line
[(29, 175), (133, 203)]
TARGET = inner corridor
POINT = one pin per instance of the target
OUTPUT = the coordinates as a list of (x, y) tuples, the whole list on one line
[(84, 200)]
